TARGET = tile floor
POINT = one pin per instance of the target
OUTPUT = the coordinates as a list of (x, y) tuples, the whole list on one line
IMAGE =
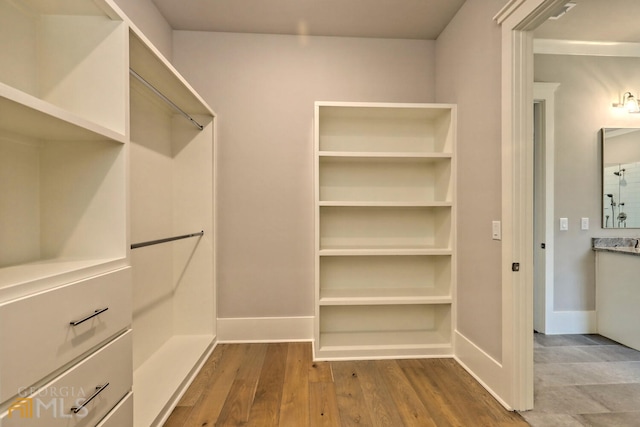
[(584, 380)]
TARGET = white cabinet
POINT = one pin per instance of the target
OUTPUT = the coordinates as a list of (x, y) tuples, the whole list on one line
[(92, 159), (81, 396), (65, 289), (618, 296), (62, 323), (385, 229)]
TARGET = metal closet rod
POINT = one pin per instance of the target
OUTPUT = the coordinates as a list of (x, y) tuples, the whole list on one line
[(165, 99), (168, 239)]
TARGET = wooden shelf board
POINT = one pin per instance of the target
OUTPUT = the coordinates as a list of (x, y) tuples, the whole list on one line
[(394, 204), (27, 278), (382, 155), (157, 381), (27, 115), (383, 251), (381, 296), (147, 61)]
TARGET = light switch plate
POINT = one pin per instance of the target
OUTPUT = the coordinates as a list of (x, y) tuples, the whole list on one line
[(584, 223), (496, 230), (564, 224)]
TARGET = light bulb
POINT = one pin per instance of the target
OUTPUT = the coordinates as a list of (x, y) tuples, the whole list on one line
[(631, 103)]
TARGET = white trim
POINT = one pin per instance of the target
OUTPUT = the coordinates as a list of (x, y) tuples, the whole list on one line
[(509, 9), (545, 92), (265, 329), (571, 322), (484, 368), (517, 20), (576, 47)]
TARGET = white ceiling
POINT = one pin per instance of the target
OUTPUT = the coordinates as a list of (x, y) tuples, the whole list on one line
[(589, 20), (596, 20), (408, 19)]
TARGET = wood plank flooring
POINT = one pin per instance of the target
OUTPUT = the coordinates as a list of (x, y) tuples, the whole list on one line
[(278, 385)]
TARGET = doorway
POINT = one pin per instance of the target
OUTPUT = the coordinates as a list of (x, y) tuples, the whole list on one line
[(543, 207)]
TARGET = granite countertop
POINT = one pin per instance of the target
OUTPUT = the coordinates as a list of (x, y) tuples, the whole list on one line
[(622, 245)]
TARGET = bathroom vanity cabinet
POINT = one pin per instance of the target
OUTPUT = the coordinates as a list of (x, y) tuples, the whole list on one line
[(618, 295), (385, 234)]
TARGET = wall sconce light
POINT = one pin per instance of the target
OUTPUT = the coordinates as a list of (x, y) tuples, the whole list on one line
[(629, 103)]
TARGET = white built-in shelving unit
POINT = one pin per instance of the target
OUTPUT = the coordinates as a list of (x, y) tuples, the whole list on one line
[(93, 160), (62, 143), (65, 284), (385, 229)]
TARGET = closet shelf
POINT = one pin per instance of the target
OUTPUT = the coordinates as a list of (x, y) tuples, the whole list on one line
[(26, 115), (391, 155), (379, 297), (384, 251), (39, 275), (147, 61), (178, 360), (401, 204), (165, 99)]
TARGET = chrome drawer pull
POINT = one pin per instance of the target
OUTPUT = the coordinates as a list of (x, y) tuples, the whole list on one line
[(76, 409), (94, 314)]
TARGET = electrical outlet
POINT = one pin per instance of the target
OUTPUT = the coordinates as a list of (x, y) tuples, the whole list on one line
[(584, 223), (564, 224)]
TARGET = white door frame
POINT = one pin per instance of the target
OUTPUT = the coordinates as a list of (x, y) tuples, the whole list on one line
[(544, 93), (518, 18)]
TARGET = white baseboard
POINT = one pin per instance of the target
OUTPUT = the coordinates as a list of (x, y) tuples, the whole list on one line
[(265, 329), (571, 322), (484, 368)]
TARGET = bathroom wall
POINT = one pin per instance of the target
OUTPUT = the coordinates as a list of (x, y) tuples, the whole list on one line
[(263, 88), (588, 87)]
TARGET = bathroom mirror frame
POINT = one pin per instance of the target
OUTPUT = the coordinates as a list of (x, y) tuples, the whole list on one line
[(620, 177)]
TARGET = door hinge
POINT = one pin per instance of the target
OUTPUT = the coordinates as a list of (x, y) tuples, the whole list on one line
[(515, 266)]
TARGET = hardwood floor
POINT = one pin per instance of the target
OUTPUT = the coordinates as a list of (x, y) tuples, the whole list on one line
[(263, 385)]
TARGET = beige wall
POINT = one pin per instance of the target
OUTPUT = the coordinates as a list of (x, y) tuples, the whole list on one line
[(588, 87), (468, 58), (148, 19), (263, 88)]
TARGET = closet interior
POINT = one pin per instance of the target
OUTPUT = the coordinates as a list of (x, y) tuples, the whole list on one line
[(107, 191), (172, 250)]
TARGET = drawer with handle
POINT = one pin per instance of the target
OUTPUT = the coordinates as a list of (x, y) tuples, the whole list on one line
[(79, 397), (121, 415), (43, 332)]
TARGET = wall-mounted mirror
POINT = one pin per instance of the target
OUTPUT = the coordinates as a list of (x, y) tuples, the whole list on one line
[(620, 177)]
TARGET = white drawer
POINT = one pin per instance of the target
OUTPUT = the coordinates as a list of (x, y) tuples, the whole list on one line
[(121, 415), (51, 405), (36, 336)]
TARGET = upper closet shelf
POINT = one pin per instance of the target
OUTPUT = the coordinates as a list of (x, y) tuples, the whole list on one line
[(148, 63), (27, 115)]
